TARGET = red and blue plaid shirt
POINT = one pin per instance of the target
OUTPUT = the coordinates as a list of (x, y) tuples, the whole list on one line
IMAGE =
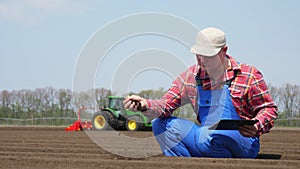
[(249, 93)]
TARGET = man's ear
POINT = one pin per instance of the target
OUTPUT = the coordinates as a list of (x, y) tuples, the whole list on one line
[(225, 48)]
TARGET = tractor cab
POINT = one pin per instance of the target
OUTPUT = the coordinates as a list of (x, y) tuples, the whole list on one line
[(116, 103)]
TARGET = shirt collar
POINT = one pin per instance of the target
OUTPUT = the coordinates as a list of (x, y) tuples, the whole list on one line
[(230, 72)]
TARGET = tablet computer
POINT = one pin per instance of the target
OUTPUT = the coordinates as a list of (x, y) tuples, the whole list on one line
[(231, 124)]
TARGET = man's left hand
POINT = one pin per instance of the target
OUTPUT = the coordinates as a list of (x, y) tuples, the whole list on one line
[(248, 130)]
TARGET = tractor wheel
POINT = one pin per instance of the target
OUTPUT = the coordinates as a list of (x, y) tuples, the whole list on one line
[(101, 121), (134, 123)]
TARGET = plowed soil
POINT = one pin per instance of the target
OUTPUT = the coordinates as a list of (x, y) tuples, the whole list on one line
[(54, 148)]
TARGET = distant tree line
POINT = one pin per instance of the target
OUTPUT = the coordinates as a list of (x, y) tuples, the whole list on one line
[(51, 102), (48, 102), (287, 98)]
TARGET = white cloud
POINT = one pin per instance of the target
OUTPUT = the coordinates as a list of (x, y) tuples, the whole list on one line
[(30, 11)]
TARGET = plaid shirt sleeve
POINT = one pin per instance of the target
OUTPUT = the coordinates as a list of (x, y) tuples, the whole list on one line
[(181, 92), (261, 102)]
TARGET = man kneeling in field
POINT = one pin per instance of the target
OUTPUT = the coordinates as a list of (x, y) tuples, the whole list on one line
[(218, 87)]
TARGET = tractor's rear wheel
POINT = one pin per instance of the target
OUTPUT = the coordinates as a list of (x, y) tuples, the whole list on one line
[(101, 121), (104, 120), (134, 123)]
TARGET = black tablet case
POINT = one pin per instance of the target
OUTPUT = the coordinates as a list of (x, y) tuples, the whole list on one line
[(231, 124)]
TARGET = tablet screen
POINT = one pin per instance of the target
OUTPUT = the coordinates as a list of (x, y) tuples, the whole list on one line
[(231, 124)]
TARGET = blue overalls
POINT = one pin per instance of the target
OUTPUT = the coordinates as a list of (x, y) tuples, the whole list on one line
[(180, 137)]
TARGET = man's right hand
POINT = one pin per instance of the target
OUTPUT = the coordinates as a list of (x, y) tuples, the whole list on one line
[(135, 103)]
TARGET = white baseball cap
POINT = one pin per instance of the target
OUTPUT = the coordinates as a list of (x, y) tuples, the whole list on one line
[(209, 42)]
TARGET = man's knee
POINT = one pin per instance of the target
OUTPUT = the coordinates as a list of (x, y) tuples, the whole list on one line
[(156, 126), (159, 125)]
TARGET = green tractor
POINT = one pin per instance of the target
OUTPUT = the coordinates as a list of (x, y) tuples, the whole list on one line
[(116, 117)]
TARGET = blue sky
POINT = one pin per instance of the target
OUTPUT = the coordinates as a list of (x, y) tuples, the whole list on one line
[(41, 40)]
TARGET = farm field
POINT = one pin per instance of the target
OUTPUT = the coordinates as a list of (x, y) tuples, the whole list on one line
[(54, 148)]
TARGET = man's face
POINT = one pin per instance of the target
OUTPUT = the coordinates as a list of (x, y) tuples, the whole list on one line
[(213, 65), (210, 63)]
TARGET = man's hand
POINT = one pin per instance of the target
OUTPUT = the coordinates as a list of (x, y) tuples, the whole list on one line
[(135, 103), (248, 130)]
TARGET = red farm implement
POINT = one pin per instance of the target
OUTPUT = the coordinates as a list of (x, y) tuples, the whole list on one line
[(79, 124)]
